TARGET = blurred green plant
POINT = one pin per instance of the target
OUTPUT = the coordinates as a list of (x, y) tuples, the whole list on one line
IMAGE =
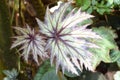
[(109, 50), (100, 6), (57, 39), (11, 75), (6, 56), (45, 72)]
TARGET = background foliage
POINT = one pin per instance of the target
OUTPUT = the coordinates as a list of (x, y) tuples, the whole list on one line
[(106, 23)]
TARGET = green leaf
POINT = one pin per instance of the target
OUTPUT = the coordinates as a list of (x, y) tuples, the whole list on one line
[(108, 51), (102, 7), (94, 2), (96, 61), (115, 55), (106, 44), (84, 4), (79, 2), (43, 69), (90, 10), (101, 11), (107, 33), (51, 75), (46, 72)]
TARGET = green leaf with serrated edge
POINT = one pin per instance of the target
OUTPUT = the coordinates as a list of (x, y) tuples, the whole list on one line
[(43, 69), (51, 75), (106, 44), (103, 52), (88, 21)]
